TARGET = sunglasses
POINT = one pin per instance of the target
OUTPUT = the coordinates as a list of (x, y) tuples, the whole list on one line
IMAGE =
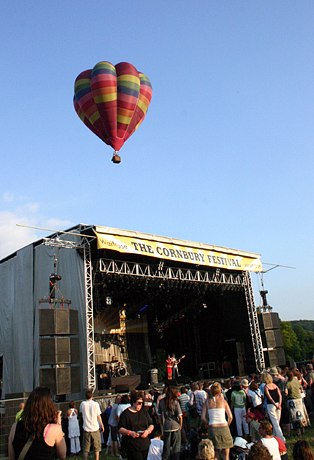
[(139, 403)]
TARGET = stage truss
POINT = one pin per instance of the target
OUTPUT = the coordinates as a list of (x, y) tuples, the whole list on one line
[(84, 245), (214, 278)]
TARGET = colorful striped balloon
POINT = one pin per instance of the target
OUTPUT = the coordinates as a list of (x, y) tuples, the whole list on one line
[(112, 101)]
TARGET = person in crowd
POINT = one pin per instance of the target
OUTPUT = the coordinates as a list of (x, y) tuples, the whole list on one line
[(282, 448), (170, 416), (198, 397), (302, 451), (105, 418), (294, 401), (148, 403), (18, 415), (267, 438), (277, 378), (184, 399), (273, 399), (253, 420), (259, 452), (156, 447), (309, 377), (245, 385), (124, 404), (73, 429), (113, 426), (215, 411), (135, 426), (92, 421), (303, 386), (238, 405), (38, 433), (255, 397)]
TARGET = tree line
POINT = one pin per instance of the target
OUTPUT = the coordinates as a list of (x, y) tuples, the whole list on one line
[(298, 339)]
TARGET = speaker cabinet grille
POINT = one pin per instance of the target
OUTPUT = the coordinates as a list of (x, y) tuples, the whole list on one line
[(55, 350), (58, 379), (75, 380), (58, 322), (273, 338), (269, 320), (275, 357), (75, 350)]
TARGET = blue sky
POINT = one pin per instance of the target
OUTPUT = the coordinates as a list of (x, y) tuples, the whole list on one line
[(224, 156)]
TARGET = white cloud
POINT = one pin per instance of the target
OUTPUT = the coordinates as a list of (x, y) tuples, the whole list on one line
[(13, 237)]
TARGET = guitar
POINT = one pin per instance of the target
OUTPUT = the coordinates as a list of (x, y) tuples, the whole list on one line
[(177, 361)]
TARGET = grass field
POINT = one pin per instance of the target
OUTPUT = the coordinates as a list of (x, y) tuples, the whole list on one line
[(308, 436)]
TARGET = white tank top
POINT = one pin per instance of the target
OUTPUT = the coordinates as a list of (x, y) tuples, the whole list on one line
[(217, 416)]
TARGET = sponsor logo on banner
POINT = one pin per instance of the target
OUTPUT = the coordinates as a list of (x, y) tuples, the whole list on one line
[(178, 253)]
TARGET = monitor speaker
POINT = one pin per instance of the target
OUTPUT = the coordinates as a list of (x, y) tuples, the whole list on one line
[(122, 389), (58, 322), (55, 350), (58, 379), (268, 320)]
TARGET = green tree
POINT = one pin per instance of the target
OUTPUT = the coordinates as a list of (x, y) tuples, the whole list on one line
[(306, 341), (290, 341)]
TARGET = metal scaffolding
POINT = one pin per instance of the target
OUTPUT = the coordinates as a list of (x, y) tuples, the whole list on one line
[(254, 325), (84, 245), (215, 277)]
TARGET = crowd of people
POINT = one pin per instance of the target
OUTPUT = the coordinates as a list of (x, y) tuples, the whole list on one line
[(234, 418)]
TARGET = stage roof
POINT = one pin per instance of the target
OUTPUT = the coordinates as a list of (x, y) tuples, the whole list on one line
[(146, 244)]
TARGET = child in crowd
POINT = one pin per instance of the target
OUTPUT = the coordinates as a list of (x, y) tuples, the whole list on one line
[(156, 447)]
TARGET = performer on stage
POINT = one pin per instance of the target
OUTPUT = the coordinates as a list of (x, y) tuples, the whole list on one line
[(169, 367), (175, 369)]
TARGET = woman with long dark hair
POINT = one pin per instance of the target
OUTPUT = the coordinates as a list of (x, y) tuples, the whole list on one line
[(170, 415), (39, 431)]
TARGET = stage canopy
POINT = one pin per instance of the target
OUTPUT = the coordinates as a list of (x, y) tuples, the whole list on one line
[(144, 244)]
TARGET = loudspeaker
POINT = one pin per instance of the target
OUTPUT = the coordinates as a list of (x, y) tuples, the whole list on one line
[(268, 320), (275, 357), (58, 379), (58, 322), (122, 389), (75, 380), (75, 350), (273, 338), (54, 350)]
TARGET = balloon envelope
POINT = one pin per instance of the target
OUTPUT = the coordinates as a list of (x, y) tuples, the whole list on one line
[(112, 101)]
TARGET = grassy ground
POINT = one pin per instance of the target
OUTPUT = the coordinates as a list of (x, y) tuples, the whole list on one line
[(308, 436)]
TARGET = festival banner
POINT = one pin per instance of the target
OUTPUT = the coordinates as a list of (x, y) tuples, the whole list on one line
[(179, 253)]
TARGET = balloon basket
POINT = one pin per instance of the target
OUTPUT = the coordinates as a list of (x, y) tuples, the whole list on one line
[(116, 158)]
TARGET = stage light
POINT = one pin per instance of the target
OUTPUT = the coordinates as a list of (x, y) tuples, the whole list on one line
[(108, 300), (204, 305)]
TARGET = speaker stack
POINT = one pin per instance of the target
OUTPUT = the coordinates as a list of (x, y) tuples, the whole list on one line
[(272, 340), (59, 351)]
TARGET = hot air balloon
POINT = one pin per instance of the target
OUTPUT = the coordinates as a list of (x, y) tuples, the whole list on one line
[(112, 101)]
